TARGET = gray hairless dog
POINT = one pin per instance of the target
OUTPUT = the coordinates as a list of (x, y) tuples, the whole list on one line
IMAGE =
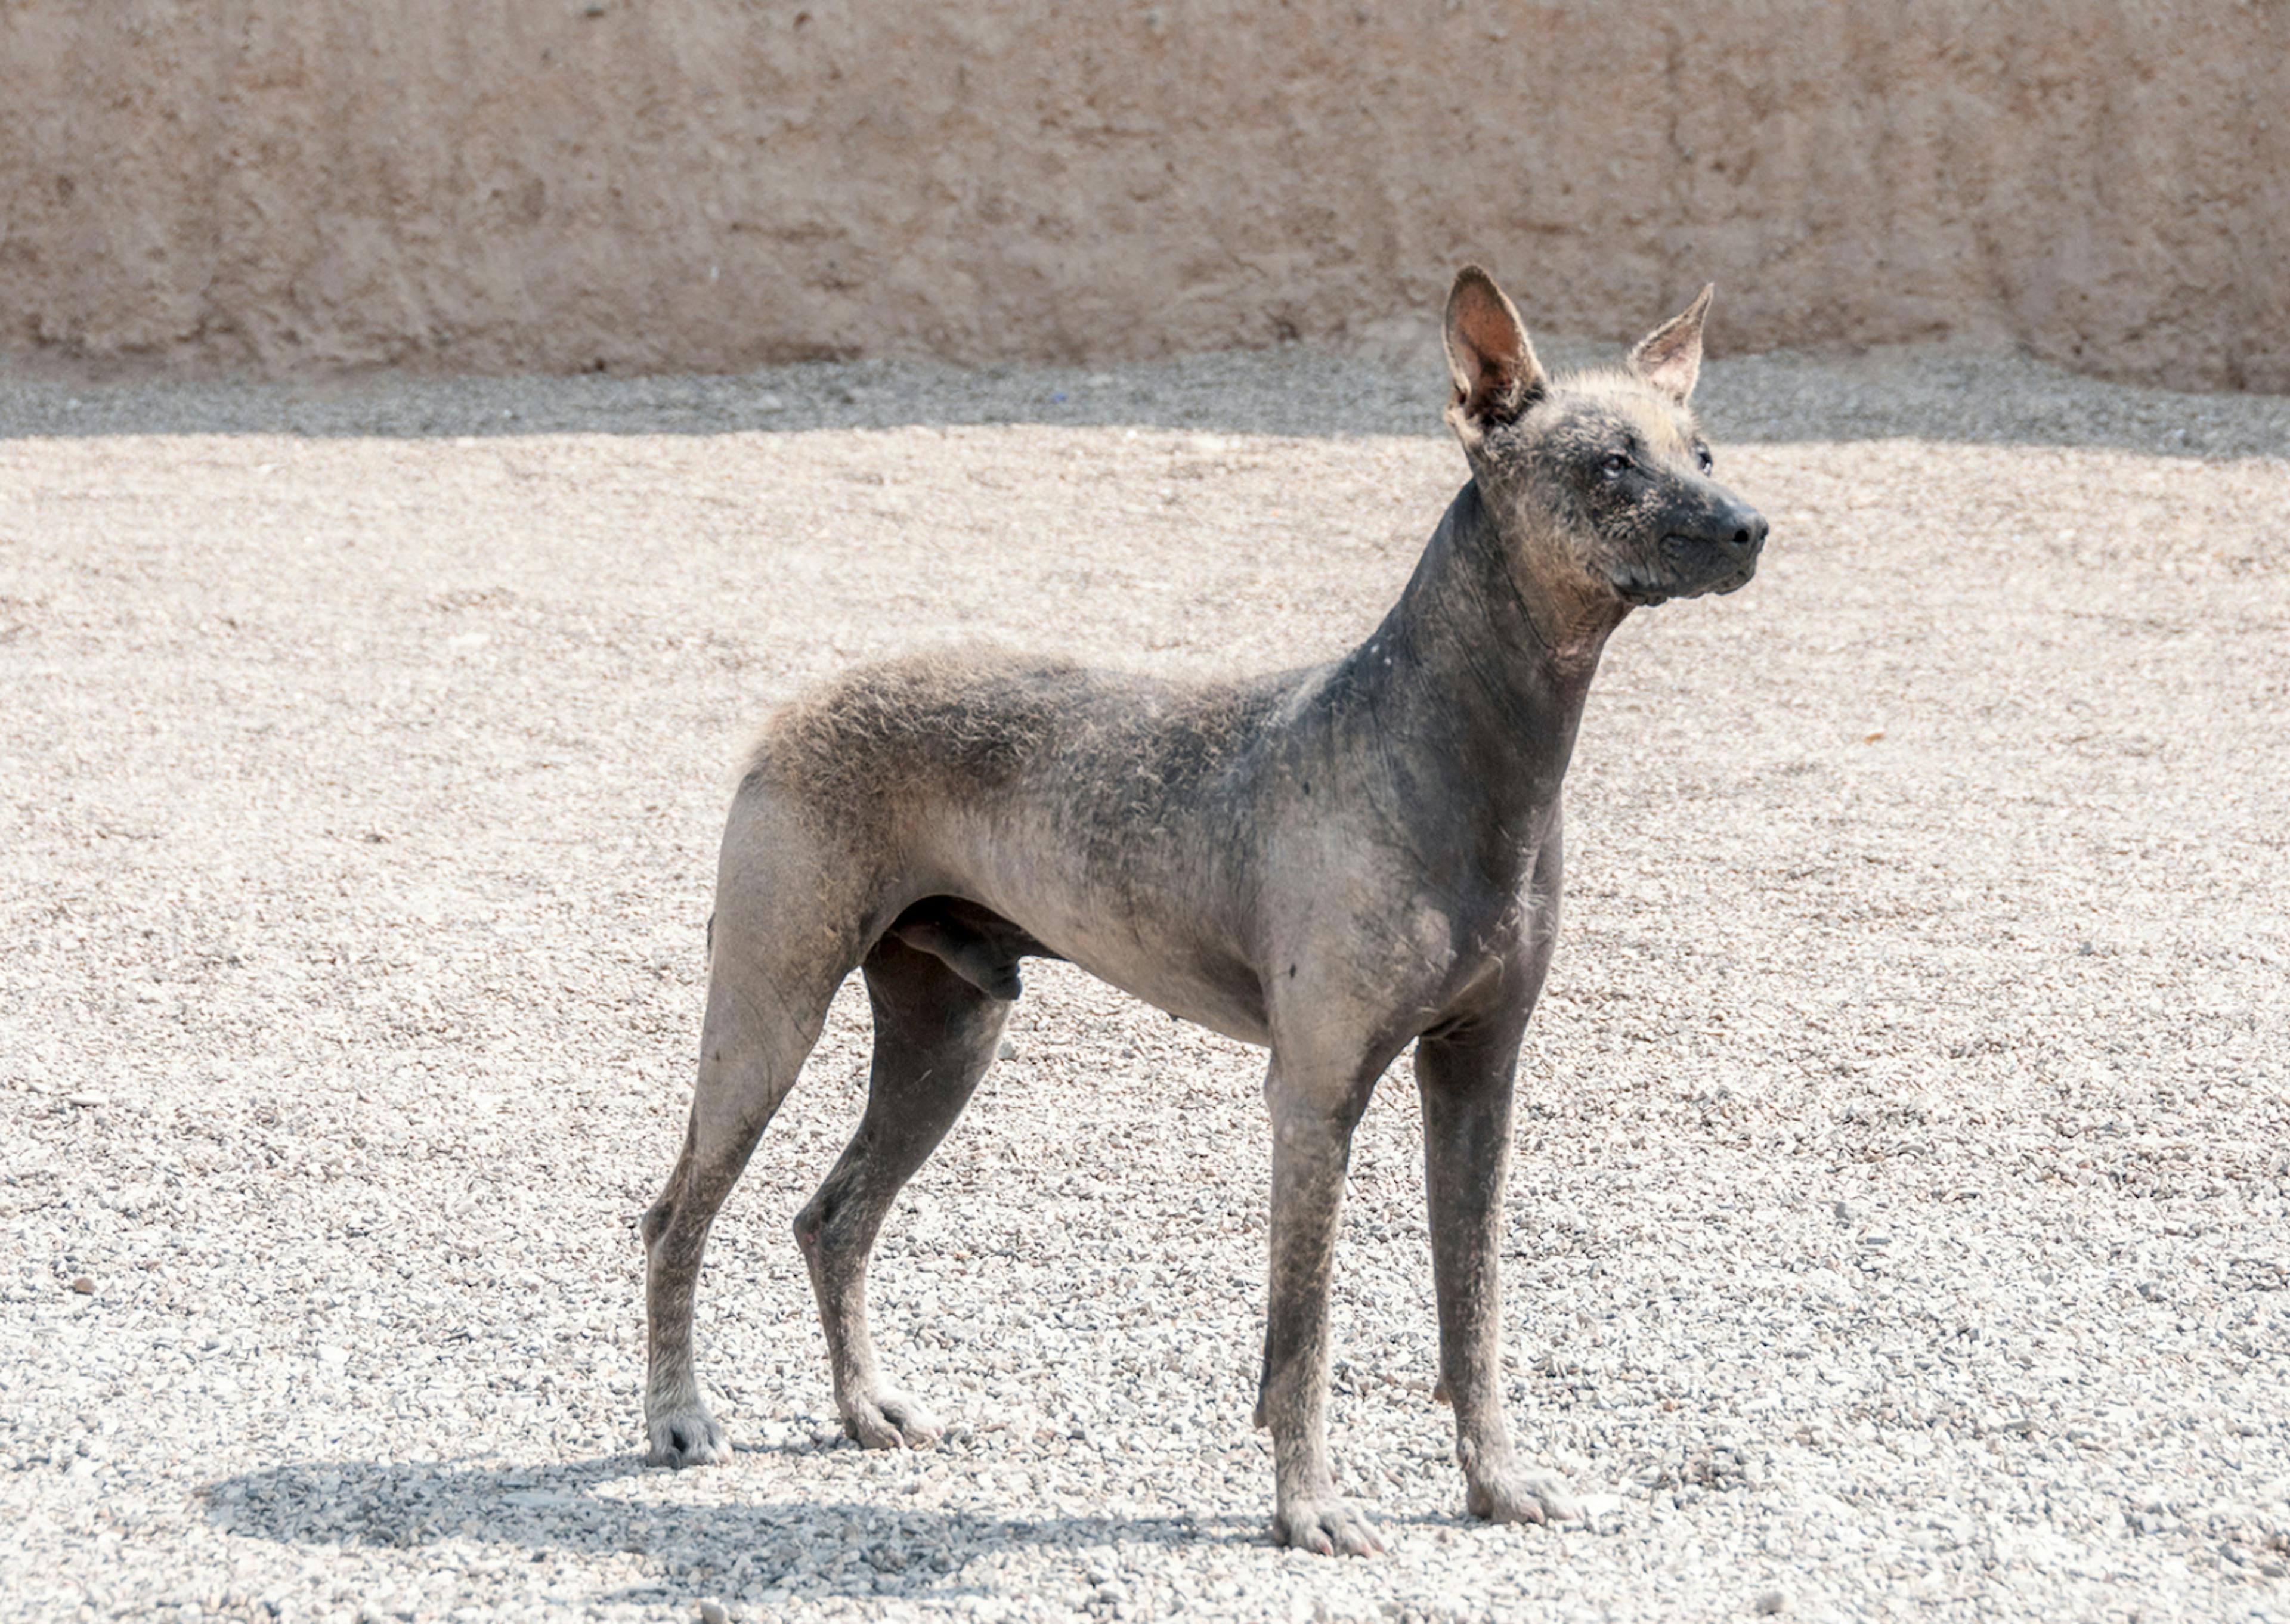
[(1332, 862)]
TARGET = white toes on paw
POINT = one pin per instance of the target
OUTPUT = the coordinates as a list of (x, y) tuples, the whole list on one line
[(890, 1420), (687, 1436), (1526, 1497), (1331, 1527)]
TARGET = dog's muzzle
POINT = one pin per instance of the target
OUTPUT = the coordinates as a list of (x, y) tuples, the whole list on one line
[(1719, 555)]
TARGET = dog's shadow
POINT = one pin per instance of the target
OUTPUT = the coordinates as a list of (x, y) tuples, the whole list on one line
[(814, 1547)]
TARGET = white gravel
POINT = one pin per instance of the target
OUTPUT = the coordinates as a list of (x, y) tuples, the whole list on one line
[(1902, 1200)]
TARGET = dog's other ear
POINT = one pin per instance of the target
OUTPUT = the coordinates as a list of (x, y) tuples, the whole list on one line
[(1669, 357), (1496, 374)]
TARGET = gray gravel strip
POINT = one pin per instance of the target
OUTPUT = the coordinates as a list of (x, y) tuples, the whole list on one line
[(1902, 1212)]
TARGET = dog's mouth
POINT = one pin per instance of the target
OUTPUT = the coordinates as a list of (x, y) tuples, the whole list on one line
[(1640, 589)]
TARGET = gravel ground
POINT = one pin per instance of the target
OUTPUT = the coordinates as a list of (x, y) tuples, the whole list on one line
[(1903, 1197)]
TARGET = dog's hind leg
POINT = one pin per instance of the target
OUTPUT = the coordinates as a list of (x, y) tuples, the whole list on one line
[(935, 1033), (767, 998)]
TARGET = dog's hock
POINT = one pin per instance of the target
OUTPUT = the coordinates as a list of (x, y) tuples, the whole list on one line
[(1669, 357), (1492, 366)]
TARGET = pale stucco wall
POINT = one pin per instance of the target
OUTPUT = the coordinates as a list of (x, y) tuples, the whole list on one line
[(258, 185)]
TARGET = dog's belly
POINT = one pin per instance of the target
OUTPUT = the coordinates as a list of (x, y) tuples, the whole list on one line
[(1153, 915), (1171, 970), (1227, 998)]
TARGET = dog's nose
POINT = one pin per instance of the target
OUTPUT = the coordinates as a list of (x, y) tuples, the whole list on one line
[(1749, 531)]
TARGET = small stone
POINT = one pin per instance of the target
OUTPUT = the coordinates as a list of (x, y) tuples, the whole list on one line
[(84, 1287), (1009, 1050), (712, 1611), (1771, 1602), (89, 1101)]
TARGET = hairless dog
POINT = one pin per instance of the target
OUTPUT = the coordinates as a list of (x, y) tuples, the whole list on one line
[(1332, 862)]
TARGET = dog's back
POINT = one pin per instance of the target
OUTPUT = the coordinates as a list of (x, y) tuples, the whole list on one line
[(962, 732)]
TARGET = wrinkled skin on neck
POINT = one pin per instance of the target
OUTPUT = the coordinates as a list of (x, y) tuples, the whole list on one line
[(1483, 673)]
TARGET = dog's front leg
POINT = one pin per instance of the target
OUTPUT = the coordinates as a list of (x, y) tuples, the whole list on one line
[(1311, 1145), (1466, 1083)]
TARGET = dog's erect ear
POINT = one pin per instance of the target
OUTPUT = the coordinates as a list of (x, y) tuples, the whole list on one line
[(1669, 357), (1496, 374)]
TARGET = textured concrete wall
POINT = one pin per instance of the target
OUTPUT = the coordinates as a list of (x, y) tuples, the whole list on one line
[(553, 183)]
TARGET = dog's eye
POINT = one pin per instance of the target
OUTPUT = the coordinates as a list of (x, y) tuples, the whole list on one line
[(1701, 455), (1617, 463)]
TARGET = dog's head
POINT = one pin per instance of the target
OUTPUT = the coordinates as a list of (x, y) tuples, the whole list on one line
[(1601, 482)]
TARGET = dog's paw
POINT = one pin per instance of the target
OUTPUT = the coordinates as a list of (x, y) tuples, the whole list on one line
[(888, 1418), (1332, 1527), (1515, 1496), (688, 1435)]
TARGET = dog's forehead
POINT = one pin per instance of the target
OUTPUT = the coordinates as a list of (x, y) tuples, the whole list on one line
[(1594, 405)]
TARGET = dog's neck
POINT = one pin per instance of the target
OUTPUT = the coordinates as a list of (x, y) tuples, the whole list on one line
[(1485, 667)]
